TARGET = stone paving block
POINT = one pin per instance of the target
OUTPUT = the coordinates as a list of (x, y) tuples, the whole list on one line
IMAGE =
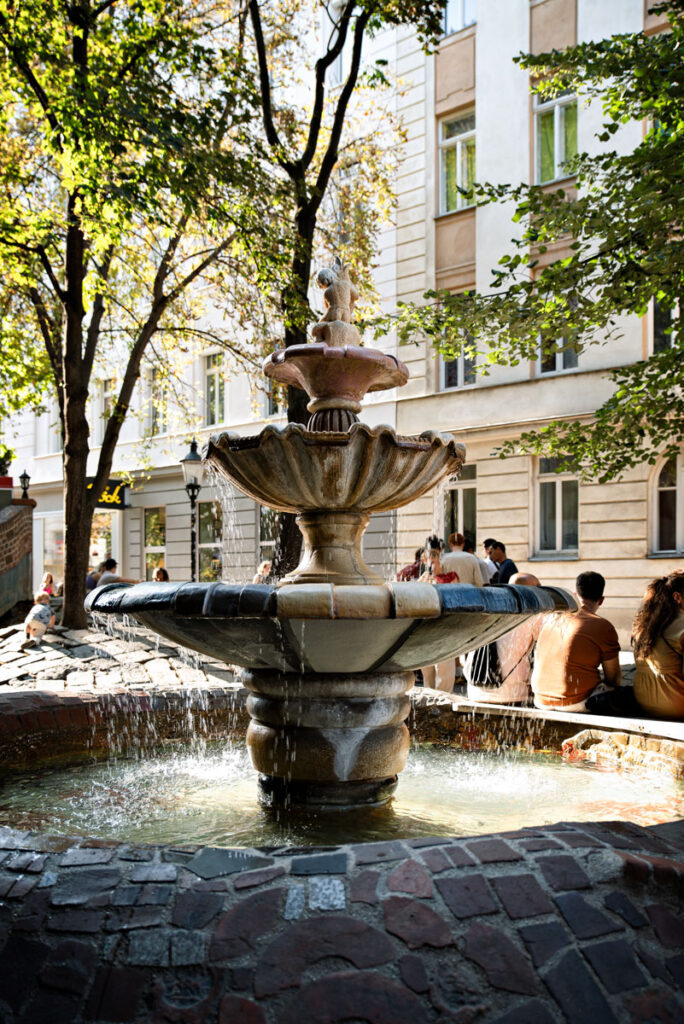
[(467, 896), (326, 893), (413, 973), (78, 855), (412, 878), (31, 862), (88, 922), (668, 928), (250, 879), (79, 887), (675, 965), (493, 851), (423, 841), (653, 1008), (580, 840), (239, 929), (436, 860), (236, 1008), (287, 957), (531, 1012), (521, 896), (69, 967), (586, 921), (116, 994), (563, 873), (621, 904), (320, 864), (505, 966), (21, 960), (354, 996), (126, 895), (364, 887), (126, 919), (154, 895), (415, 923), (458, 856), (544, 940), (52, 1008), (374, 853), (576, 992), (149, 948), (614, 963), (212, 862), (196, 909), (654, 964), (295, 902), (23, 884), (187, 948)]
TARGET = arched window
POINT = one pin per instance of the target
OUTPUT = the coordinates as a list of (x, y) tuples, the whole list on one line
[(669, 513)]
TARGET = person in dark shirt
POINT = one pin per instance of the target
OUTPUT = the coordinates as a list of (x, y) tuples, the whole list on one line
[(506, 566)]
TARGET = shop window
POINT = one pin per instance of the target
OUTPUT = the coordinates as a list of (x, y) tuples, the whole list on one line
[(100, 538), (210, 540), (214, 390), (458, 15), (456, 162), (669, 513), (558, 509), (555, 136), (460, 506), (155, 540)]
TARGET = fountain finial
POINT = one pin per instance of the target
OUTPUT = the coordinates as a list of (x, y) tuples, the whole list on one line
[(340, 295)]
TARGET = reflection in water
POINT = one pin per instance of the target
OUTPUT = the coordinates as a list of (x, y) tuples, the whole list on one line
[(181, 796)]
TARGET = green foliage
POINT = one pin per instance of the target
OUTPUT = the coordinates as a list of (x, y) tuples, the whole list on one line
[(623, 213)]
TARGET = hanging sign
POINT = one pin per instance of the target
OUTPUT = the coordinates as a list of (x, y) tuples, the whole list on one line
[(113, 496)]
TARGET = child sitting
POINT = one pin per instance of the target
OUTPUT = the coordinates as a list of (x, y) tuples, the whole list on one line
[(39, 619)]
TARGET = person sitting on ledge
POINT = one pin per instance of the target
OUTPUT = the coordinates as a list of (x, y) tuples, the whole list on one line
[(441, 676), (458, 560), (658, 642), (571, 648), (413, 570), (499, 672)]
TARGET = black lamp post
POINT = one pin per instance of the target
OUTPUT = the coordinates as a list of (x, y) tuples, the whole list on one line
[(193, 471), (24, 480)]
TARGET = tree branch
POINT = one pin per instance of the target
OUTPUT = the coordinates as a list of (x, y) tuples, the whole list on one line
[(31, 80), (93, 333), (46, 324), (265, 82)]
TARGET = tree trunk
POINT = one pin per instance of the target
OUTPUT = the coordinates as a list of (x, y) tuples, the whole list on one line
[(78, 515)]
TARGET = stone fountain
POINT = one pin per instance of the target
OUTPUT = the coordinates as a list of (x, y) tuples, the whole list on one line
[(328, 655)]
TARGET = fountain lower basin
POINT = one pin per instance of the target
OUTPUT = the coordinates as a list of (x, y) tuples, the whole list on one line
[(328, 666)]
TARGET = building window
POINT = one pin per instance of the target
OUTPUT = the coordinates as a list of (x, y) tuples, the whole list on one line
[(210, 540), (458, 372), (556, 136), (558, 509), (155, 540), (214, 390), (456, 162), (459, 14), (275, 402), (268, 529), (669, 512), (565, 358), (663, 327), (158, 402), (460, 506)]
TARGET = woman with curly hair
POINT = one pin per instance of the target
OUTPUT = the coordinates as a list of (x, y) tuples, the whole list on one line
[(658, 642)]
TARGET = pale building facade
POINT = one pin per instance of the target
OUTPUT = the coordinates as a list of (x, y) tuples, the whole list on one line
[(469, 116)]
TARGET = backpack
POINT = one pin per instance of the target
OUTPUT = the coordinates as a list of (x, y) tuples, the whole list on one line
[(485, 670)]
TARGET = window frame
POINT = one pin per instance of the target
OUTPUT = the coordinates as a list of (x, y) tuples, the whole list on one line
[(558, 479), (557, 104), (458, 484), (215, 371), (559, 357), (152, 549), (457, 142), (462, 368), (656, 549), (214, 545), (460, 19), (673, 323)]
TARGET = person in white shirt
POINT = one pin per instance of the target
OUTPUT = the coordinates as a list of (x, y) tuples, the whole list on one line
[(458, 560), (492, 567), (110, 574)]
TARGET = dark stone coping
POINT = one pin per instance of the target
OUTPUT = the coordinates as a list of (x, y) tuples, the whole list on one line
[(228, 600)]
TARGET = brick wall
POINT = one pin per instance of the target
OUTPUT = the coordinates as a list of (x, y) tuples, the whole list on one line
[(16, 542)]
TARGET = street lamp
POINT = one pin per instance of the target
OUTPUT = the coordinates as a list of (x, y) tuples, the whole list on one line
[(24, 480), (193, 471)]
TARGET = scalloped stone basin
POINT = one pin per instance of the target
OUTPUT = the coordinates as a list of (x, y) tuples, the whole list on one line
[(328, 667), (366, 469)]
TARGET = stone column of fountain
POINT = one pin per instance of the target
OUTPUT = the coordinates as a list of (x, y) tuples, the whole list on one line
[(332, 738)]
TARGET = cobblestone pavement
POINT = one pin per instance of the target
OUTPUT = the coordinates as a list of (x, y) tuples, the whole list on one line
[(571, 922)]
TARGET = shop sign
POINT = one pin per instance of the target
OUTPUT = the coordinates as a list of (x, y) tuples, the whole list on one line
[(113, 496)]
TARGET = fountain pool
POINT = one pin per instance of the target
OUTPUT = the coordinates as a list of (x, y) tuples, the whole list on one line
[(183, 795)]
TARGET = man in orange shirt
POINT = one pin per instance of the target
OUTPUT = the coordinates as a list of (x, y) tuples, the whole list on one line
[(570, 649)]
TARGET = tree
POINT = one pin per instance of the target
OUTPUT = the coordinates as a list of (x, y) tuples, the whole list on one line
[(125, 158), (623, 222), (306, 152)]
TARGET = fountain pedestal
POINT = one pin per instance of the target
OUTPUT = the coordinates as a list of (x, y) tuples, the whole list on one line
[(328, 740)]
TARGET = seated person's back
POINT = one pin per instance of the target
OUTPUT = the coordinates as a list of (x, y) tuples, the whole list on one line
[(572, 646)]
